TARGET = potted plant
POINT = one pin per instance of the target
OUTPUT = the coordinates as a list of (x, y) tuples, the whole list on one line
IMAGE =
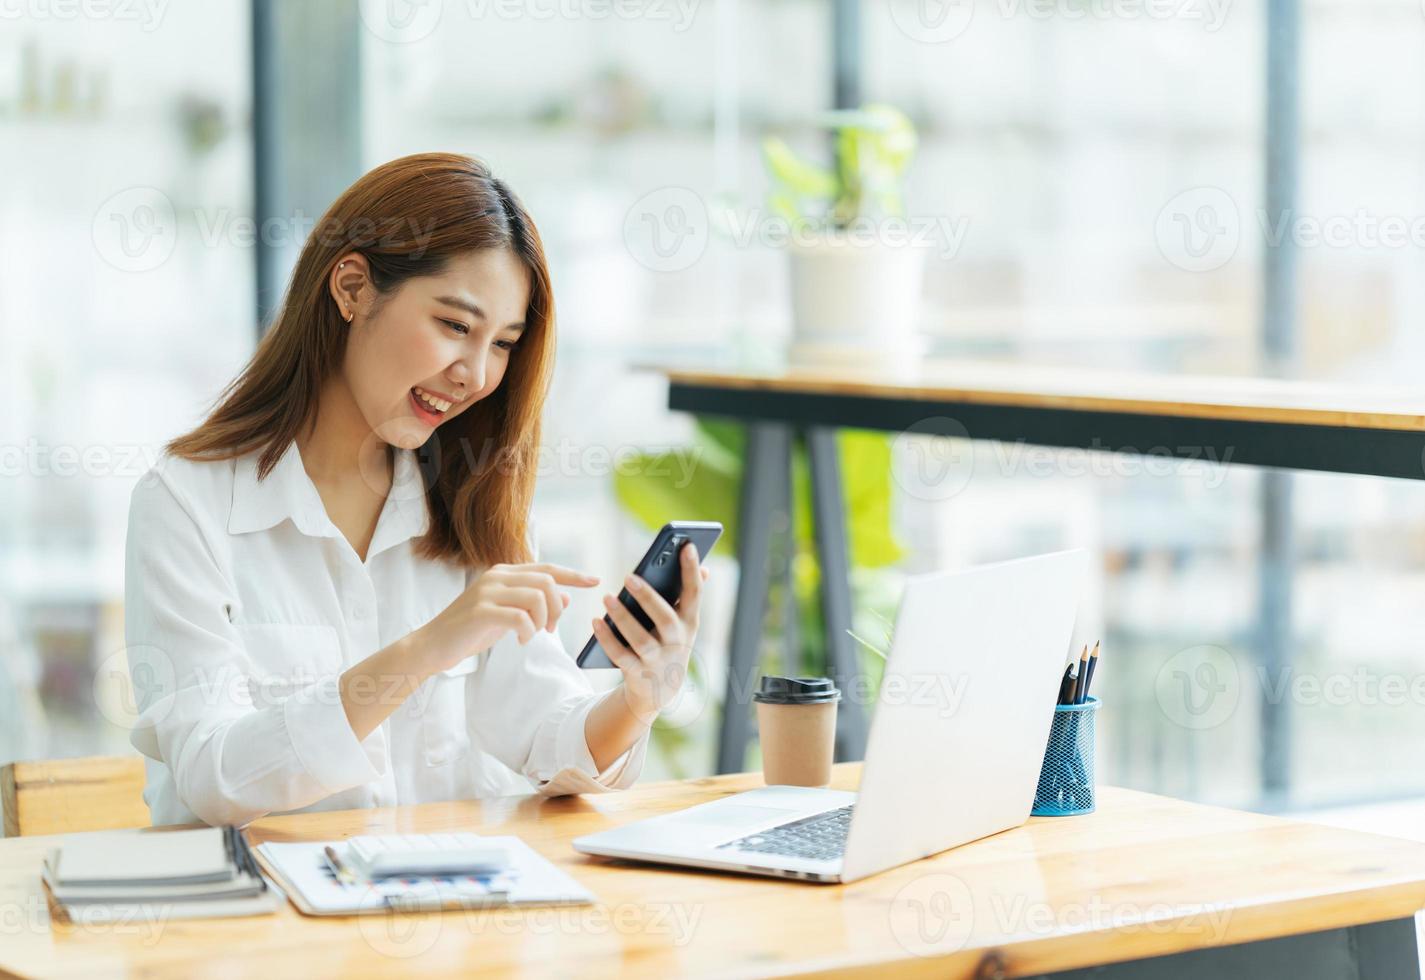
[(856, 267), (649, 491)]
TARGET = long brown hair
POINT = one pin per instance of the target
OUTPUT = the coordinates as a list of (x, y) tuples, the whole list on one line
[(408, 218)]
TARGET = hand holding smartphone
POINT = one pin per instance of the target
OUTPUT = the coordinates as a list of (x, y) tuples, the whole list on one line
[(660, 568)]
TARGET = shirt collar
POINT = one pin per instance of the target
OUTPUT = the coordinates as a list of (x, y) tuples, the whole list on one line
[(288, 493), (406, 514)]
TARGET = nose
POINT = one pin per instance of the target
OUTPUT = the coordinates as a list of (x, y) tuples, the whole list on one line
[(469, 371)]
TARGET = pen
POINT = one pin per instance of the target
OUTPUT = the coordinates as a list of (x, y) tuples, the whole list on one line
[(343, 874), (1078, 679), (246, 859), (1066, 686)]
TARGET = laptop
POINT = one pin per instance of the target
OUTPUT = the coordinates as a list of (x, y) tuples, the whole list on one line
[(957, 739)]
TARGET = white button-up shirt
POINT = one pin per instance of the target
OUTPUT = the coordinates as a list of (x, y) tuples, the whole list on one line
[(243, 606)]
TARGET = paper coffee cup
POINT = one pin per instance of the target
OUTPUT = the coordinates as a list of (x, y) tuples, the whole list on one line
[(796, 724)]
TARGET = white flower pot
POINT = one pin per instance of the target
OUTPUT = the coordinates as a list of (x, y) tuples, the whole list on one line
[(855, 302)]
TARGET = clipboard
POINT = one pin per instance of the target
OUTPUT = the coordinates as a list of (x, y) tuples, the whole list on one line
[(302, 870)]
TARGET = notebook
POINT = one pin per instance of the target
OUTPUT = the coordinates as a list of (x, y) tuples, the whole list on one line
[(182, 874), (143, 857), (529, 878)]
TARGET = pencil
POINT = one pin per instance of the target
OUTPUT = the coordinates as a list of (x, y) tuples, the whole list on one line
[(1088, 679), (1078, 697)]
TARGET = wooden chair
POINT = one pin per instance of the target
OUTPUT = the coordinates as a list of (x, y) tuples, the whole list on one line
[(59, 796)]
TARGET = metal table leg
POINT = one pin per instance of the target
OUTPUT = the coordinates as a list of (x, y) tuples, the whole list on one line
[(766, 478), (831, 547)]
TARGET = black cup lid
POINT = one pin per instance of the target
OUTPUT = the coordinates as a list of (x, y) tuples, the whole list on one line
[(797, 690)]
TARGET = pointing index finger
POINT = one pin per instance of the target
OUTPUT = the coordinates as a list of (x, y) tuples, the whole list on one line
[(566, 576)]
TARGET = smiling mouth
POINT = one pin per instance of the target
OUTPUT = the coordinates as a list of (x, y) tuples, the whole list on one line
[(427, 411)]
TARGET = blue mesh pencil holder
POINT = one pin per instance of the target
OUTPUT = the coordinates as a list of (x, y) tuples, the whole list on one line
[(1066, 777)]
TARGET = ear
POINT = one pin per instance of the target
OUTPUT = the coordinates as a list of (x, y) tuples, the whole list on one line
[(348, 282)]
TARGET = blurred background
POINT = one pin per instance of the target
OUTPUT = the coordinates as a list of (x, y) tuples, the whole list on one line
[(1110, 179)]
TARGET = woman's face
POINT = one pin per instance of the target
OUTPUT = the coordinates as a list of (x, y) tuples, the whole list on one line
[(435, 346)]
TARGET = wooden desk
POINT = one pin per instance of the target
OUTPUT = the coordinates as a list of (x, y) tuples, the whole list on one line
[(1374, 431), (1377, 431), (1144, 877)]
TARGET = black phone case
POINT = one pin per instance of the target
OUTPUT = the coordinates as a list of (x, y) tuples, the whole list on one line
[(665, 576)]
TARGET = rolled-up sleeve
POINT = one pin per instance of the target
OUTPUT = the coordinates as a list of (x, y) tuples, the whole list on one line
[(527, 706), (233, 757)]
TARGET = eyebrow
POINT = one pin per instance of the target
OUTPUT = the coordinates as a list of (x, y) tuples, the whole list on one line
[(472, 309)]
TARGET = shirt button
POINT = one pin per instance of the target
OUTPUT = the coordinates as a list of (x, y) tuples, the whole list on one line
[(358, 611)]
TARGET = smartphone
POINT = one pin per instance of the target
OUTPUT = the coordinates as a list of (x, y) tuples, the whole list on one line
[(660, 568)]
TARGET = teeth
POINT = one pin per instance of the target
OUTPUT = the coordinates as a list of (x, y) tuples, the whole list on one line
[(439, 404)]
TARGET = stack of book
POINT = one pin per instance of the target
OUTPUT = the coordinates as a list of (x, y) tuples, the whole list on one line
[(174, 874)]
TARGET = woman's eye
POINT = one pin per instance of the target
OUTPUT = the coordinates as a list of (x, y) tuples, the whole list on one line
[(505, 344), (457, 326)]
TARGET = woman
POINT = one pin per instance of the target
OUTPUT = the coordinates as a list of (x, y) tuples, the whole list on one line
[(331, 593)]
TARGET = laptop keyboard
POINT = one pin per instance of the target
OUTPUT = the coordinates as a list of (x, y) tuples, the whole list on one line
[(821, 837)]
